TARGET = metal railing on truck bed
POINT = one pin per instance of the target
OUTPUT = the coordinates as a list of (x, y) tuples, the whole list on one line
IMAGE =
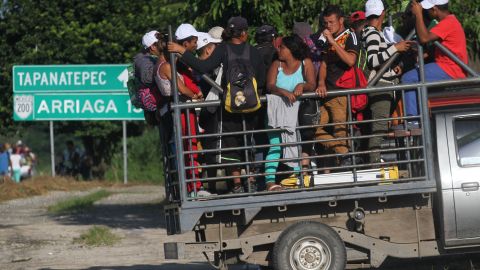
[(406, 166)]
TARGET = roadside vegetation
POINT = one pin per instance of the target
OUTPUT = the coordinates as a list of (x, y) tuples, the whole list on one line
[(78, 204), (97, 236), (43, 184), (144, 160)]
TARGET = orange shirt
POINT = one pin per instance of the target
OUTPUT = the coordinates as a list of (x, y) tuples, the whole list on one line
[(452, 36)]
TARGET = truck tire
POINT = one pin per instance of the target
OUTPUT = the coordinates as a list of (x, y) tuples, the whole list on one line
[(309, 246)]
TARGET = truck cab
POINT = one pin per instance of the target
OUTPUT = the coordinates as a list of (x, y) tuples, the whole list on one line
[(457, 137)]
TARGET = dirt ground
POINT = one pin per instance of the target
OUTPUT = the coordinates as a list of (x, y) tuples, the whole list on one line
[(31, 238)]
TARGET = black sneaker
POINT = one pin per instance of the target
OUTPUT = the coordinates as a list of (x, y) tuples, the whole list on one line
[(347, 161)]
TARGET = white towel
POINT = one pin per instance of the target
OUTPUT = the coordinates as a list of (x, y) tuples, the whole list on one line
[(213, 94), (390, 36)]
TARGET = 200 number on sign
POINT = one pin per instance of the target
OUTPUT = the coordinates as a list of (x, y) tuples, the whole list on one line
[(23, 106), (75, 107)]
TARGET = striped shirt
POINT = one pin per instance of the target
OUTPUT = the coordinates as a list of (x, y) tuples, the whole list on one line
[(378, 52)]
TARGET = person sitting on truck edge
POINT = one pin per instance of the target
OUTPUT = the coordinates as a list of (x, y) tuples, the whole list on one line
[(288, 78), (449, 33), (235, 36), (339, 56), (379, 52)]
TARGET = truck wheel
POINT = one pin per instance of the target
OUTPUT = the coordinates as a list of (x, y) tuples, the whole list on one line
[(309, 246)]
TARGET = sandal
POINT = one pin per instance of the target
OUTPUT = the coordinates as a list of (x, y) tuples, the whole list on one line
[(275, 187)]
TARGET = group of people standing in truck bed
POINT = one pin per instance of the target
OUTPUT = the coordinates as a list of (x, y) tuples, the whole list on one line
[(345, 51)]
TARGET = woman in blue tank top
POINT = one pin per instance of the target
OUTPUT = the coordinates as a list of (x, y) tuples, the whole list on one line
[(288, 77)]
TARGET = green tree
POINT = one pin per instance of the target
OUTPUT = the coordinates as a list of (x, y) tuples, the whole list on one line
[(283, 13), (75, 32)]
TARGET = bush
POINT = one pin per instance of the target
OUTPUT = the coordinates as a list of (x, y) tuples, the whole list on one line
[(144, 160)]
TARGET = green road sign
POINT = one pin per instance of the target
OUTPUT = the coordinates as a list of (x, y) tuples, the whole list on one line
[(75, 78), (78, 106)]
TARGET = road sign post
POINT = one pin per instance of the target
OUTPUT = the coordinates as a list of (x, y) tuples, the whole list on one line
[(52, 149)]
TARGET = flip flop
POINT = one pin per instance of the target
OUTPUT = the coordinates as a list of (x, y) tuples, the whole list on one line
[(275, 188)]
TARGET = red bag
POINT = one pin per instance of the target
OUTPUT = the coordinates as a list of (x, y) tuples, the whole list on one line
[(351, 79)]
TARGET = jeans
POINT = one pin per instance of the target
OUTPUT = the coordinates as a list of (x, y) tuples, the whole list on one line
[(432, 73)]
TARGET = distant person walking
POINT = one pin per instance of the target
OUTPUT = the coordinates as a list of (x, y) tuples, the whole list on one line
[(71, 159), (5, 164), (15, 161)]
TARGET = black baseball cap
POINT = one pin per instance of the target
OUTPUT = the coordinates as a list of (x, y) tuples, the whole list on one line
[(266, 30), (237, 23)]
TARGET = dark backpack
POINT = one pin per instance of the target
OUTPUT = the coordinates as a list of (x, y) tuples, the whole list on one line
[(133, 85), (241, 95), (141, 97)]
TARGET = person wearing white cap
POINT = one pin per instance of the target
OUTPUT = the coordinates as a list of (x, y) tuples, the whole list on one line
[(187, 36), (449, 32), (206, 44), (216, 32), (379, 52), (144, 63)]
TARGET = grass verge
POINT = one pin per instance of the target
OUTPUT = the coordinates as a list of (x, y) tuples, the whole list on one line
[(78, 204), (40, 185), (97, 236)]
